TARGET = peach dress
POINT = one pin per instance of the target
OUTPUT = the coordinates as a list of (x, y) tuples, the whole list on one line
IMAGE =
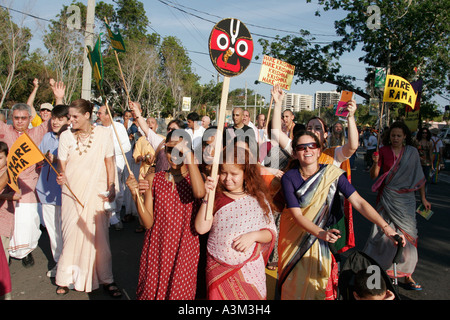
[(85, 260)]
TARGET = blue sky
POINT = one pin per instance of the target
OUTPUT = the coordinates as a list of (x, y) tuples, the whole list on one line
[(260, 16)]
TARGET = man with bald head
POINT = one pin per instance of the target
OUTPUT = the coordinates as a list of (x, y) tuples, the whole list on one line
[(240, 130), (290, 127), (206, 122)]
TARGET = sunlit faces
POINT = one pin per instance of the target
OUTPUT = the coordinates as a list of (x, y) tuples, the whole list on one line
[(246, 117), (78, 119), (152, 124), (103, 115), (287, 117), (261, 120), (127, 115), (238, 116), (45, 114), (397, 136), (338, 128), (231, 176), (21, 120), (173, 154), (306, 150), (58, 122), (190, 124), (316, 126)]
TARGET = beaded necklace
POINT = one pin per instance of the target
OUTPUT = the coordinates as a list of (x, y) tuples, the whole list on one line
[(84, 141)]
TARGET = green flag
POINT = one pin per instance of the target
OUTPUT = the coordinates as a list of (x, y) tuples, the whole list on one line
[(380, 77), (116, 39), (96, 60)]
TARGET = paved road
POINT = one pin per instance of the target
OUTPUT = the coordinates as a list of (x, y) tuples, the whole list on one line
[(432, 270)]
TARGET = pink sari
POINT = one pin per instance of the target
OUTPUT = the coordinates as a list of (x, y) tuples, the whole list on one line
[(233, 275)]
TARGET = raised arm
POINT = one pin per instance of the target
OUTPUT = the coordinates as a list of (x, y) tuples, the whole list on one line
[(277, 134), (59, 90), (137, 114), (154, 139), (351, 146), (363, 207), (32, 96)]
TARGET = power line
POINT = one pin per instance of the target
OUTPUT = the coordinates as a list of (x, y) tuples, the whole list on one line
[(250, 24), (213, 22)]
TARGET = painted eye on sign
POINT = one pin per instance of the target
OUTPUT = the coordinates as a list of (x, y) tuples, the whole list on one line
[(230, 47)]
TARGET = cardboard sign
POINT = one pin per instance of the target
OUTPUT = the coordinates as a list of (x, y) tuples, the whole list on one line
[(399, 90), (274, 71), (346, 96), (186, 104), (230, 47), (22, 155)]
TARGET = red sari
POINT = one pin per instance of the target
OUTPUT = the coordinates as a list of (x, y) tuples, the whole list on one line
[(169, 259), (233, 275)]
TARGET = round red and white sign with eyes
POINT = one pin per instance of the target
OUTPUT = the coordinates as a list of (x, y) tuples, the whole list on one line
[(230, 47)]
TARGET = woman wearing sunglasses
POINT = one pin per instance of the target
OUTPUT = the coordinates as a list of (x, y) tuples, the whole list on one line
[(310, 191)]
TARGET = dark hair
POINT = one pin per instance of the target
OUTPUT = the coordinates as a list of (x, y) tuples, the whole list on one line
[(420, 134), (293, 162), (60, 110), (4, 148), (253, 182), (180, 133), (178, 122), (325, 127), (193, 116), (83, 106), (398, 125), (361, 288)]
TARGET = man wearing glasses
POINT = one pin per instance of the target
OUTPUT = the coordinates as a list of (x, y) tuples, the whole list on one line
[(27, 222)]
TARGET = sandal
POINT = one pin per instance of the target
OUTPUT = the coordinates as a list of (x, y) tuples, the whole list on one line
[(112, 290), (412, 285), (61, 291)]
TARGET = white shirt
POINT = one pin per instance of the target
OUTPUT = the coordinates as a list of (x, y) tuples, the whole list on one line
[(196, 136), (124, 141), (372, 142), (437, 144)]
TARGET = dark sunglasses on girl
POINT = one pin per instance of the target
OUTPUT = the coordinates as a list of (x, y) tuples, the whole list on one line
[(303, 146)]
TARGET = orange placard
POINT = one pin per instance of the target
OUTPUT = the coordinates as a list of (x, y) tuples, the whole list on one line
[(23, 154)]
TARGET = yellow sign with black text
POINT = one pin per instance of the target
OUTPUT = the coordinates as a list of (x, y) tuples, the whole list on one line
[(399, 90), (23, 154)]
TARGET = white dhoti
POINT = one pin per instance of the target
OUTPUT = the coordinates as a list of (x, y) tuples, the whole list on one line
[(26, 230)]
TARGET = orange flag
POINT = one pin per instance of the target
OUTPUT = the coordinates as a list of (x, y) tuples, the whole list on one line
[(22, 155)]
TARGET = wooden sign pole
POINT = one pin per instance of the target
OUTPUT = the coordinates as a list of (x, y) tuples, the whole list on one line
[(218, 144), (268, 115)]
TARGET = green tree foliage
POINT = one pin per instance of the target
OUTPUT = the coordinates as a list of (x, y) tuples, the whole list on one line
[(14, 49), (413, 34), (157, 72)]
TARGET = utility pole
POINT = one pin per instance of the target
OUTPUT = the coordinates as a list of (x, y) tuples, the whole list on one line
[(88, 41)]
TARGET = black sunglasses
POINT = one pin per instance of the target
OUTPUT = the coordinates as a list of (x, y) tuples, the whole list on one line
[(303, 146)]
